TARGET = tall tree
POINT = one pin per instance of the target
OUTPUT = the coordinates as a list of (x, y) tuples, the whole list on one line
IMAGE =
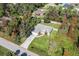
[(72, 27)]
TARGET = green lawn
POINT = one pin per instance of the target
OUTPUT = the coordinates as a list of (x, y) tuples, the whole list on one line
[(40, 45), (52, 25), (5, 52)]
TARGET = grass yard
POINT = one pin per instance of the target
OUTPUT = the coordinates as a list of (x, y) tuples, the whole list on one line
[(5, 52), (40, 45), (52, 25)]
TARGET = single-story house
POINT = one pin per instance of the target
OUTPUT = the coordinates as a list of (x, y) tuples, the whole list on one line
[(67, 5), (41, 29)]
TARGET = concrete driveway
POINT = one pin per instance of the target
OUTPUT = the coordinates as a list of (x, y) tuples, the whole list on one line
[(28, 41)]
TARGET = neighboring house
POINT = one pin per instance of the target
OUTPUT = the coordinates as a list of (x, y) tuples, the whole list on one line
[(68, 5), (41, 29), (39, 12)]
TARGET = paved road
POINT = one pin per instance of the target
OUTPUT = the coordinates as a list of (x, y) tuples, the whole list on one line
[(28, 41), (13, 47)]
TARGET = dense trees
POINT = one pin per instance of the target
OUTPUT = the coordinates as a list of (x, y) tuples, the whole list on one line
[(56, 13), (72, 27), (53, 13), (22, 22), (20, 9)]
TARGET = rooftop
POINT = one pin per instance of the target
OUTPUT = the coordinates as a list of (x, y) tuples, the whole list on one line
[(42, 28), (39, 12)]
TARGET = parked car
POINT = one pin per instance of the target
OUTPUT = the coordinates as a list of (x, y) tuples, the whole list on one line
[(24, 54), (17, 52)]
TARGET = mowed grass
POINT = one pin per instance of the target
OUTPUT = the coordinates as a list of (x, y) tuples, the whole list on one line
[(52, 25), (4, 51), (40, 45)]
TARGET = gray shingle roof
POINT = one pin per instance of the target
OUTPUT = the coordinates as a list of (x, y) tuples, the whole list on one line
[(42, 28)]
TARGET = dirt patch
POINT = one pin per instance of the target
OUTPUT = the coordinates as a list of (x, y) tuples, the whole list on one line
[(3, 35), (66, 53)]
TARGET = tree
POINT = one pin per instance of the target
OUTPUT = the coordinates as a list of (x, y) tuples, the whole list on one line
[(72, 27)]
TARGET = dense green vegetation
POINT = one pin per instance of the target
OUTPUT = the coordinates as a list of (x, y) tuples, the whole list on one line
[(56, 13)]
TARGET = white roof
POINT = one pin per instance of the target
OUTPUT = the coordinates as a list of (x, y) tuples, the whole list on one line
[(39, 11), (42, 28)]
